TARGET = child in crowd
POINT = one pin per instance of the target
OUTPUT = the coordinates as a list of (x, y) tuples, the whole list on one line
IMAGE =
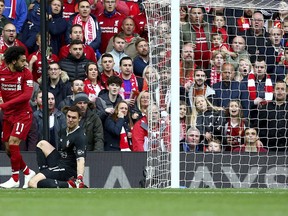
[(207, 118), (214, 146), (245, 67), (217, 61), (218, 42), (219, 26), (234, 126)]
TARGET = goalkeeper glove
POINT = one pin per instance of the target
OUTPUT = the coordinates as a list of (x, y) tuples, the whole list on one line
[(79, 181)]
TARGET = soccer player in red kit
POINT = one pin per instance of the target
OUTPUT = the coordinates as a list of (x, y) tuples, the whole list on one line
[(16, 85)]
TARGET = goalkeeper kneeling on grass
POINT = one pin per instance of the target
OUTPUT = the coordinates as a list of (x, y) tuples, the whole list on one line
[(58, 167)]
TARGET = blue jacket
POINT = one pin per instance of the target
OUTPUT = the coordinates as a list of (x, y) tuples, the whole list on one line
[(139, 65), (57, 27), (112, 130), (21, 13), (225, 92)]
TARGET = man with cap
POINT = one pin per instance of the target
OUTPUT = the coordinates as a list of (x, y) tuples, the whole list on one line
[(90, 122)]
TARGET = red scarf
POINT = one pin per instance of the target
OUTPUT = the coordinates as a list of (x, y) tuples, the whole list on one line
[(134, 85), (215, 77), (88, 27), (124, 144), (252, 87), (12, 13), (89, 88)]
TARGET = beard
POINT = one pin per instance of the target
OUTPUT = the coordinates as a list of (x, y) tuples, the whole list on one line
[(18, 68)]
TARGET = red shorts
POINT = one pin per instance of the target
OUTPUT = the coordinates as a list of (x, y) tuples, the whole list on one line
[(17, 126)]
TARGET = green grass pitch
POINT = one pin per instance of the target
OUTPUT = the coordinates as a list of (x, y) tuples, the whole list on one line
[(138, 202)]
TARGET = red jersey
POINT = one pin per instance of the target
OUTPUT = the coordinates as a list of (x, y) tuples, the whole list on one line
[(104, 78), (189, 74), (16, 89), (236, 132), (140, 23), (4, 46), (88, 52), (37, 66), (243, 24), (109, 27), (133, 7), (202, 53), (68, 8), (223, 32), (139, 134)]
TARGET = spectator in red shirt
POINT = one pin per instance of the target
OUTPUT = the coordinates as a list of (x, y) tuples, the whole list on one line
[(235, 126), (69, 8), (35, 59), (107, 63), (219, 25), (251, 138), (217, 61), (110, 22), (92, 84), (89, 23), (76, 33), (98, 7), (9, 39), (199, 33)]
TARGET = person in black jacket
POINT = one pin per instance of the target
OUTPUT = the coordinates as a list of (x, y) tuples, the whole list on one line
[(58, 83), (75, 62), (91, 122), (273, 120), (108, 99), (207, 118)]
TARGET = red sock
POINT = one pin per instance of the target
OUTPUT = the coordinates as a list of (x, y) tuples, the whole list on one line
[(15, 176), (15, 161), (26, 170)]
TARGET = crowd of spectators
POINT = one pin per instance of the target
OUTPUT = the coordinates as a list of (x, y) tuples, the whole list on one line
[(233, 70), (233, 67)]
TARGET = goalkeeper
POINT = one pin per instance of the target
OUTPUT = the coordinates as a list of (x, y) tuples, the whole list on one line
[(58, 168)]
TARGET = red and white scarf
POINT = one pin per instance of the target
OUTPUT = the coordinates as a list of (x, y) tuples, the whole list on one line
[(134, 85), (12, 13), (89, 28), (252, 87), (124, 144), (215, 76), (92, 90)]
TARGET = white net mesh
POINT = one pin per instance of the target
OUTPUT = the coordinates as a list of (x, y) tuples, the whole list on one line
[(237, 164)]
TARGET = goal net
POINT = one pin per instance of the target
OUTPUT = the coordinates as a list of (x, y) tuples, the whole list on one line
[(228, 106)]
